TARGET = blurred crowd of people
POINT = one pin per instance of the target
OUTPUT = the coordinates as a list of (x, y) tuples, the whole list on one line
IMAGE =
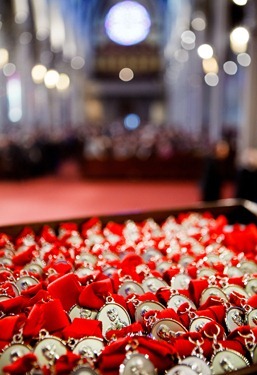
[(39, 153)]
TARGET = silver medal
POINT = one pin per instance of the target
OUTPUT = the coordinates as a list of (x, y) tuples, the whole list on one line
[(181, 370), (234, 288), (251, 287), (77, 311), (212, 291), (198, 323), (227, 360), (176, 300), (113, 316), (89, 347), (49, 349), (130, 287), (152, 284), (164, 329), (24, 282), (180, 281), (12, 352), (197, 364), (146, 306), (137, 364), (234, 318), (84, 370), (251, 318)]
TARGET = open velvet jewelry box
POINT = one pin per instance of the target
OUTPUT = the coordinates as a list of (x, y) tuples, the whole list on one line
[(158, 292)]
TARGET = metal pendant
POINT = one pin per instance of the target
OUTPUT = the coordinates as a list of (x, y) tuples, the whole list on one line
[(251, 287), (205, 272), (89, 347), (24, 282), (77, 311), (12, 285), (164, 329), (130, 287), (197, 364), (113, 316), (176, 300), (163, 266), (181, 370), (12, 353), (248, 267), (146, 306), (152, 284), (34, 268), (137, 364), (84, 271), (229, 289), (198, 323), (49, 349), (86, 258), (227, 360), (234, 318), (180, 281), (151, 254), (251, 318), (212, 291), (84, 370)]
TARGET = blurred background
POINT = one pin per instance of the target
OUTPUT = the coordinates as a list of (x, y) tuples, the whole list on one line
[(144, 89)]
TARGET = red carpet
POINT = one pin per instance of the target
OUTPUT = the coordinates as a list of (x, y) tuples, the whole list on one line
[(54, 198)]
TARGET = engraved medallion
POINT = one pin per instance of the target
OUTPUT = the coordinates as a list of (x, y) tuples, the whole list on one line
[(152, 284), (48, 350), (77, 311), (4, 289), (137, 364), (212, 259), (24, 282), (212, 291), (164, 329), (150, 254), (89, 347), (234, 288), (6, 261), (197, 364), (251, 318), (227, 360), (34, 268), (86, 258), (84, 370), (163, 266), (12, 353), (198, 323), (113, 316), (205, 272), (233, 271), (248, 267), (180, 281), (251, 287), (177, 300), (186, 260), (83, 271), (181, 370), (234, 318), (130, 287), (146, 306)]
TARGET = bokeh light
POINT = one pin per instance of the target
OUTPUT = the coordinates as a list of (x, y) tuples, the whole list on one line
[(126, 74)]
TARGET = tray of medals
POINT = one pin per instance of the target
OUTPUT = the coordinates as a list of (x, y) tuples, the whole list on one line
[(144, 293)]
